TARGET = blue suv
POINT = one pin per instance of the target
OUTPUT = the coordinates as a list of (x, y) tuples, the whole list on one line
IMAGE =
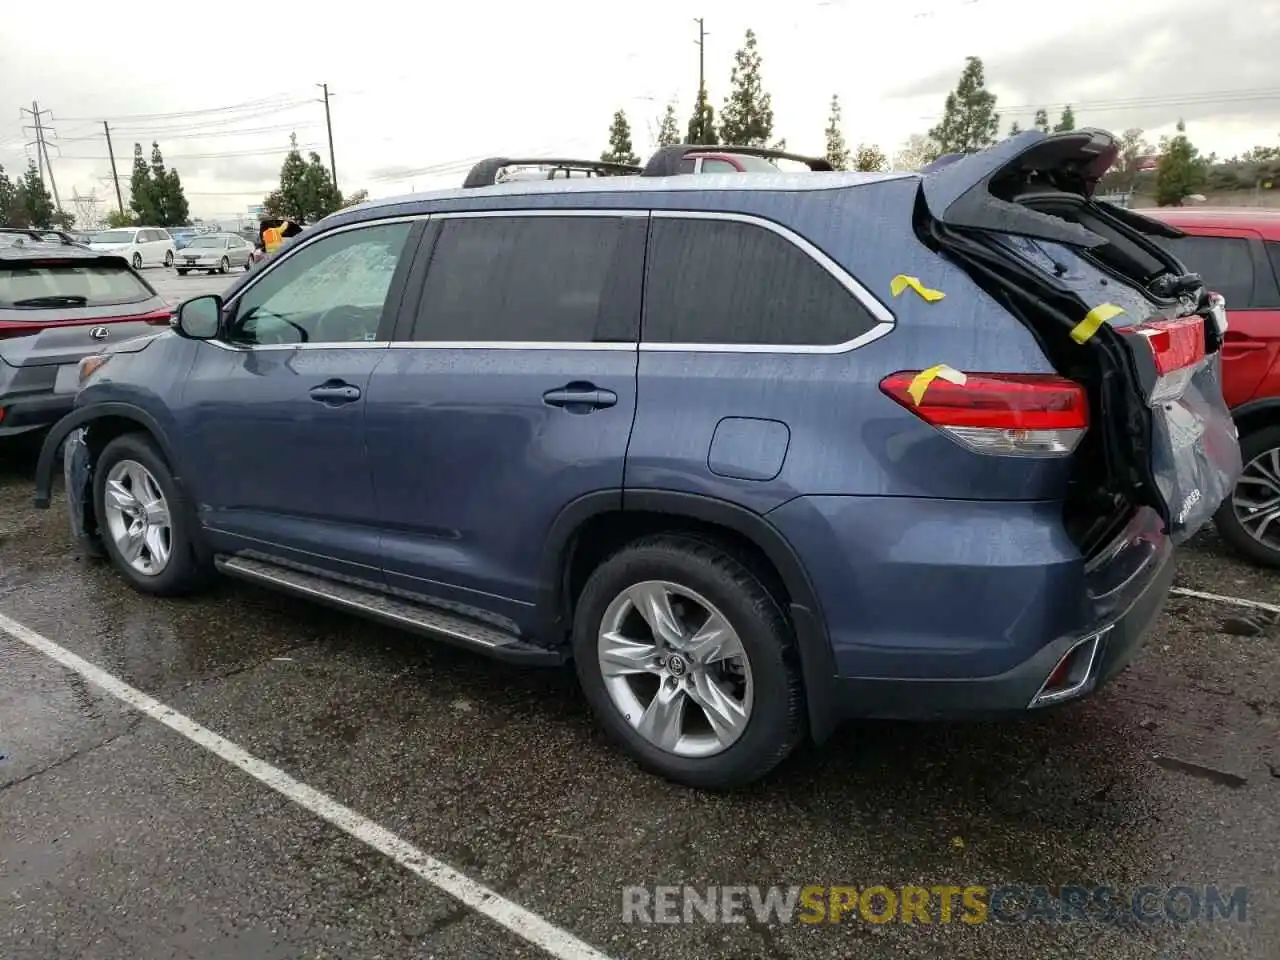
[(757, 452)]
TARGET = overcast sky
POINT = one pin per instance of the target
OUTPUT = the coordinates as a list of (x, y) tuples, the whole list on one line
[(422, 89)]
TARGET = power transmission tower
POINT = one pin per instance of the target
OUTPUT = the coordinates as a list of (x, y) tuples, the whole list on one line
[(115, 177), (333, 166), (42, 148), (702, 79), (86, 209)]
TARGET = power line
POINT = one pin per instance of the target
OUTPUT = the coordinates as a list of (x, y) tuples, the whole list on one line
[(226, 155), (122, 119)]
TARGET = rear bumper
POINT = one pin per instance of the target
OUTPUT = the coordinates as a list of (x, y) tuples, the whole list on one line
[(29, 412), (937, 609)]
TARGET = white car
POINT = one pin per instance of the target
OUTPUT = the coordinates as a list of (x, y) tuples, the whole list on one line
[(141, 246), (214, 252)]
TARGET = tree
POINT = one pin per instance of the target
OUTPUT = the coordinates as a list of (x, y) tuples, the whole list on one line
[(1067, 122), (288, 200), (321, 196), (668, 128), (33, 203), (837, 150), (8, 197), (620, 148), (117, 219), (702, 125), (1014, 129), (969, 121), (747, 116), (916, 151), (1181, 170), (141, 190), (177, 211), (1041, 121), (870, 159)]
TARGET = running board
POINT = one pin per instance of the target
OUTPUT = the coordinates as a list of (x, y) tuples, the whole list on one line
[(437, 624)]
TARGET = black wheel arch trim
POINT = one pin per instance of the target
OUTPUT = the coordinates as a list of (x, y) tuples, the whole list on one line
[(816, 659), (80, 417), (1263, 405)]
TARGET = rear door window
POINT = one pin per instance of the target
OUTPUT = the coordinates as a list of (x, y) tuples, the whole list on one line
[(39, 286), (726, 282), (712, 165), (531, 279), (1225, 263)]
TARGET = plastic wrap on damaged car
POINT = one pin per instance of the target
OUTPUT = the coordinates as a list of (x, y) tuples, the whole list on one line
[(1194, 451), (76, 468)]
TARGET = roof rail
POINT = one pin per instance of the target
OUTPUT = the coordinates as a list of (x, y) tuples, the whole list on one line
[(485, 173), (666, 162)]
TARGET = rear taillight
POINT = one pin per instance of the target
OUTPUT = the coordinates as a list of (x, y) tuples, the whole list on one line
[(1001, 413), (1177, 347)]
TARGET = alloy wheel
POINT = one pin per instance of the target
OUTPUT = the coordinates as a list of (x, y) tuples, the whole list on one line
[(675, 669), (1256, 498), (137, 517)]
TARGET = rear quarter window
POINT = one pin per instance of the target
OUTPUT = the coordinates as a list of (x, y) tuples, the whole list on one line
[(98, 284)]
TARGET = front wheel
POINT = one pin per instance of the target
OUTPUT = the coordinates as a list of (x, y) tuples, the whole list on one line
[(137, 261), (224, 265), (689, 663), (146, 528), (1249, 519), (168, 258)]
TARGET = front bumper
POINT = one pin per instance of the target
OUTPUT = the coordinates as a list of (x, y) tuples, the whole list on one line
[(201, 263)]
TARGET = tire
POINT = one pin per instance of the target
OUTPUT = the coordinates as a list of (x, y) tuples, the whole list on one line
[(182, 572), (137, 261), (168, 258), (224, 265), (774, 708), (182, 272), (1253, 446), (247, 265)]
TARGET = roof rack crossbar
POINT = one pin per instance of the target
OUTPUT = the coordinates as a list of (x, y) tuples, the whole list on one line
[(666, 161), (485, 173)]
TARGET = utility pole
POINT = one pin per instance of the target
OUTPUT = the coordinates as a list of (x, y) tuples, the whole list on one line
[(114, 176), (702, 80), (42, 150), (333, 166)]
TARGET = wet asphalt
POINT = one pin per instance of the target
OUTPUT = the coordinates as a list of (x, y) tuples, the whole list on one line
[(121, 839)]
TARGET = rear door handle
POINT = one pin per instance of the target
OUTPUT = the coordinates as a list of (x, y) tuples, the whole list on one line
[(580, 398), (335, 393)]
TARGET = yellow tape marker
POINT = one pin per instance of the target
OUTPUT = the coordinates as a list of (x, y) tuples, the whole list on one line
[(1095, 318), (938, 371), (902, 282)]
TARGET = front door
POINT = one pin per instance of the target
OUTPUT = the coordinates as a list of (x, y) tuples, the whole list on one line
[(274, 416), (510, 394)]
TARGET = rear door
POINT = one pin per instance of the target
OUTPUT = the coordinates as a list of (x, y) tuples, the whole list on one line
[(1234, 263), (509, 393)]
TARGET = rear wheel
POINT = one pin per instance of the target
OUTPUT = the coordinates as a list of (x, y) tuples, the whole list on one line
[(689, 663), (137, 261), (1249, 520), (224, 265), (146, 528)]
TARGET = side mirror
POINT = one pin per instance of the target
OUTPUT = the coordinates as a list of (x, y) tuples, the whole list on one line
[(200, 318)]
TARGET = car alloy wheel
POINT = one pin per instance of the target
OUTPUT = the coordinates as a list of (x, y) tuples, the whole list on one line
[(224, 266), (168, 258), (675, 669), (1256, 498), (137, 518), (137, 261)]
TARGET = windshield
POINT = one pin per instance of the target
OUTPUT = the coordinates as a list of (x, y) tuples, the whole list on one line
[(89, 284), (114, 236), (206, 242)]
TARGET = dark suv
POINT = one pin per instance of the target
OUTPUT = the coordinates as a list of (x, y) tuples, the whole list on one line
[(758, 453)]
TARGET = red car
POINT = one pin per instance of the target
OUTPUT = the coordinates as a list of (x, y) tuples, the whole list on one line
[(1237, 251)]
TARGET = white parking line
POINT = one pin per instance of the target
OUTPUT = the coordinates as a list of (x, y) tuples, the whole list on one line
[(515, 918), (1219, 598)]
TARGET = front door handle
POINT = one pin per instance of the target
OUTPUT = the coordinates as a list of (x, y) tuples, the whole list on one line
[(580, 398), (335, 393)]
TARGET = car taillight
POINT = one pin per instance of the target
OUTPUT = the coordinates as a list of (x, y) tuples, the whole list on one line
[(1177, 347), (1001, 413)]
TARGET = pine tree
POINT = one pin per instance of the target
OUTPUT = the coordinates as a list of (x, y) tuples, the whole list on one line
[(8, 197), (321, 196), (176, 207), (969, 122), (35, 206), (870, 159), (620, 148), (1068, 121), (837, 150), (1181, 170), (747, 116), (159, 187), (702, 125), (1014, 129), (289, 199), (141, 190), (1042, 120), (669, 129)]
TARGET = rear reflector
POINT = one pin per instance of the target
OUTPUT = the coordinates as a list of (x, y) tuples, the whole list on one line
[(1000, 413), (1177, 346), (22, 328)]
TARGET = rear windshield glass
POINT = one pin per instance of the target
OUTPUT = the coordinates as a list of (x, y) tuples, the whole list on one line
[(97, 284), (207, 242)]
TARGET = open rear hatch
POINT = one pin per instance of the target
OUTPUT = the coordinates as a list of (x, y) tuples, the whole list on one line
[(1111, 309)]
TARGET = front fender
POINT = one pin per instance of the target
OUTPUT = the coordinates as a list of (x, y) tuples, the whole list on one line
[(79, 419)]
